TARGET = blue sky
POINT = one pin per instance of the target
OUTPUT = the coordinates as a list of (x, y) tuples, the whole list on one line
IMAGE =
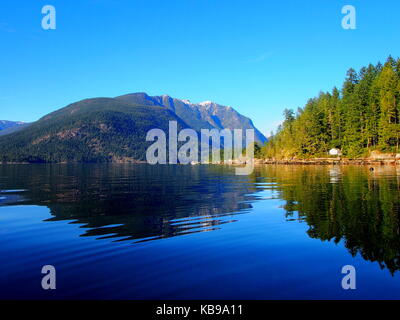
[(256, 56)]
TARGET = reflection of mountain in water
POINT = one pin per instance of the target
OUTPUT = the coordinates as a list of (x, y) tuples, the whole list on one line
[(133, 202), (140, 202), (351, 204)]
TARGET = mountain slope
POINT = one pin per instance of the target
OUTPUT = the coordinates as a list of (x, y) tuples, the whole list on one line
[(205, 115), (91, 130), (111, 129)]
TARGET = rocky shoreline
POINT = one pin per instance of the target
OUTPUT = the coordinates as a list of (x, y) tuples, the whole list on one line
[(374, 158), (328, 161)]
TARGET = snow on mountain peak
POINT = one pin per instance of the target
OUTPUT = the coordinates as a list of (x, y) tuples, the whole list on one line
[(205, 103)]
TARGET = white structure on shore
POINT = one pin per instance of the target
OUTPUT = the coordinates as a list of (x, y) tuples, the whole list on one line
[(335, 152)]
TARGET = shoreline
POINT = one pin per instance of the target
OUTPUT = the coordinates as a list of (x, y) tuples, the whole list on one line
[(331, 161), (314, 161)]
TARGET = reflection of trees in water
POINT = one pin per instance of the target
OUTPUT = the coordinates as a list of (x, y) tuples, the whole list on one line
[(353, 204), (133, 201)]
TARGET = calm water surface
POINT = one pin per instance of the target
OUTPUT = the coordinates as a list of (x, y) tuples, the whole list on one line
[(199, 232)]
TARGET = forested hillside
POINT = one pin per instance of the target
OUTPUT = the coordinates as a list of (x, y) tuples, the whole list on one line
[(361, 117), (91, 130), (112, 129)]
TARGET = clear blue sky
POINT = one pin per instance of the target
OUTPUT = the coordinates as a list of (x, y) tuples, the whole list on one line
[(256, 56)]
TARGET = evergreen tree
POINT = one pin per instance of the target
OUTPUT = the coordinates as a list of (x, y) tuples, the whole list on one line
[(363, 116)]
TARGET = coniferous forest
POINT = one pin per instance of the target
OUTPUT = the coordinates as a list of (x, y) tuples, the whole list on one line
[(361, 117)]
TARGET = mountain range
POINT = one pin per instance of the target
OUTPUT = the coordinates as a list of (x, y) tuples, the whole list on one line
[(203, 115), (112, 129)]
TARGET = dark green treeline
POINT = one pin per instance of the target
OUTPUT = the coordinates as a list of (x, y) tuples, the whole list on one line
[(363, 116)]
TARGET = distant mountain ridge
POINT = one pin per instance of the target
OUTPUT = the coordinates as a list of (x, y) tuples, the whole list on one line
[(5, 124), (112, 129), (203, 115)]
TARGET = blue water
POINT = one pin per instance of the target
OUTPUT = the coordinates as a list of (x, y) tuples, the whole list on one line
[(198, 232)]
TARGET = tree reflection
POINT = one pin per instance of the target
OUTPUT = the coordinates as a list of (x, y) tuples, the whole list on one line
[(348, 203)]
